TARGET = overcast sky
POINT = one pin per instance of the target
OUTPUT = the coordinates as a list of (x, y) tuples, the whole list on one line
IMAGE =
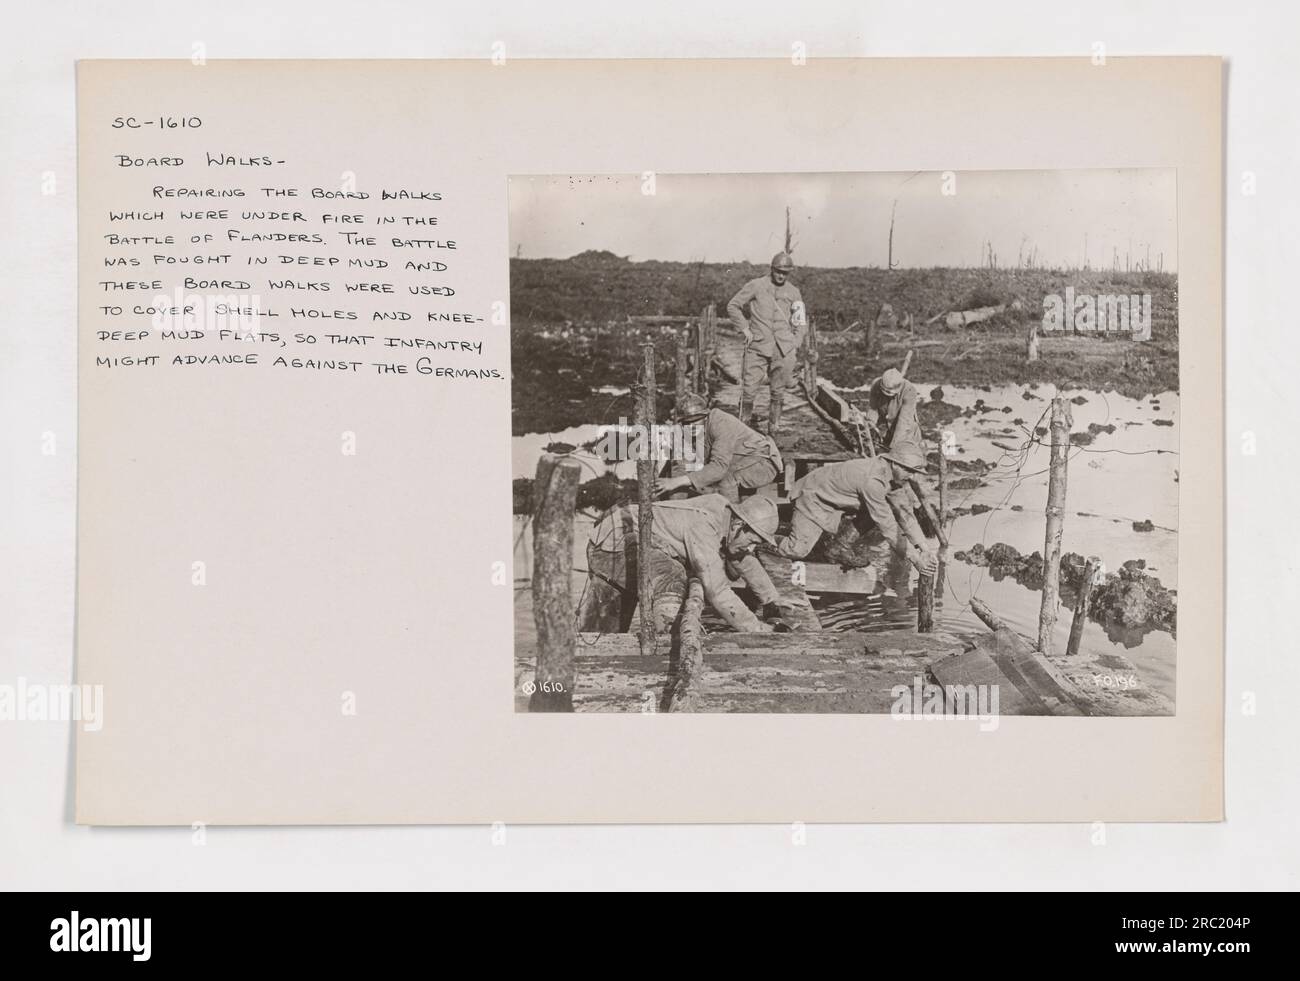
[(843, 219)]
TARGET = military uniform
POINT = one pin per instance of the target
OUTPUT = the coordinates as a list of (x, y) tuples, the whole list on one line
[(895, 415), (688, 538), (778, 321), (735, 457), (821, 498)]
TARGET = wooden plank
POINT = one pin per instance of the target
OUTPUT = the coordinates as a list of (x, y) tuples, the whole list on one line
[(978, 667), (1018, 659), (822, 577), (876, 642)]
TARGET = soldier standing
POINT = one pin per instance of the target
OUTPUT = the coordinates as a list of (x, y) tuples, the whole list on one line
[(769, 312)]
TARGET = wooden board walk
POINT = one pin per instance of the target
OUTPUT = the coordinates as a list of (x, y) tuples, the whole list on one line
[(761, 672)]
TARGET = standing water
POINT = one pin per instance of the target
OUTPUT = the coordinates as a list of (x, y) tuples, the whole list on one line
[(1122, 477)]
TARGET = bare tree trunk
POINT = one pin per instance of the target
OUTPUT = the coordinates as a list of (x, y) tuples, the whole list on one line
[(1060, 428), (892, 212), (1081, 604)]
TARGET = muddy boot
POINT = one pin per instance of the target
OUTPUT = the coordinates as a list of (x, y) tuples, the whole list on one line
[(774, 416)]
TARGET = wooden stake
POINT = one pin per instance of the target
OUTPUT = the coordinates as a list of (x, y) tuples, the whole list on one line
[(645, 475), (708, 341), (901, 501), (1081, 604), (1060, 427), (683, 366), (810, 365), (943, 516), (943, 486), (554, 491), (690, 651)]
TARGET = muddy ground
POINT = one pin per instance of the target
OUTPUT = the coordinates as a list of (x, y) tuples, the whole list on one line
[(573, 348)]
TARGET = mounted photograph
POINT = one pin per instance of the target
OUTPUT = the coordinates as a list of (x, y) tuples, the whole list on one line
[(899, 443)]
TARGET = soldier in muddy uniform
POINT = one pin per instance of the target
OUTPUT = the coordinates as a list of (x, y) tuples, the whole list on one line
[(891, 411), (690, 538), (734, 455), (822, 498), (774, 328)]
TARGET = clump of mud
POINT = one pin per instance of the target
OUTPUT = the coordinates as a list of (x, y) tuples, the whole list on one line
[(1128, 603), (936, 413), (976, 466), (1095, 429)]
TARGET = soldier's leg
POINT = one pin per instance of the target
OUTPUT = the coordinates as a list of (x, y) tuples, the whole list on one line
[(602, 605), (804, 533), (754, 476), (756, 369), (727, 487), (608, 599), (782, 375), (667, 590)]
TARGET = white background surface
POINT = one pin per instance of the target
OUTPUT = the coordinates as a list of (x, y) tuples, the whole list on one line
[(1255, 848)]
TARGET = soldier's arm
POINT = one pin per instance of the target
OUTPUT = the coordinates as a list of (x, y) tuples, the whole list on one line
[(736, 308), (722, 449), (756, 577), (877, 505), (706, 565), (882, 514)]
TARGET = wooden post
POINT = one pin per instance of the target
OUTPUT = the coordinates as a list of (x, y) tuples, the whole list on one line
[(1031, 353), (901, 501), (943, 514), (744, 367), (1081, 603), (1060, 426), (555, 489), (704, 357), (645, 475), (690, 651), (700, 366), (683, 366), (925, 604), (943, 486)]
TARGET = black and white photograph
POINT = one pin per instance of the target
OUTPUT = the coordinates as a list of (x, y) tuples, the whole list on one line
[(887, 443)]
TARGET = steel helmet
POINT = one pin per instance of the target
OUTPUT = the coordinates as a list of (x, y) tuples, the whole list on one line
[(759, 514), (782, 262), (692, 406), (891, 382)]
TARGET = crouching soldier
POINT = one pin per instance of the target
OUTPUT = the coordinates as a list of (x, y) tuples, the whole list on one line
[(822, 498), (695, 537), (891, 409), (734, 455)]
